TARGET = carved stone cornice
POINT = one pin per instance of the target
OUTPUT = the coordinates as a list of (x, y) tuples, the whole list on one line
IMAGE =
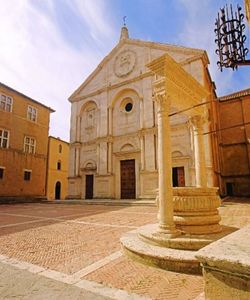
[(151, 130), (152, 45), (111, 87), (184, 90), (89, 143), (76, 144)]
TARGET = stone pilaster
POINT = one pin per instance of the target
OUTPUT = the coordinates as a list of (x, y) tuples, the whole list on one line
[(141, 113), (110, 120), (199, 150), (77, 159), (110, 146), (78, 128), (142, 144)]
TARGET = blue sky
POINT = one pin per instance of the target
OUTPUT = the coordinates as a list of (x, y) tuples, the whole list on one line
[(48, 47)]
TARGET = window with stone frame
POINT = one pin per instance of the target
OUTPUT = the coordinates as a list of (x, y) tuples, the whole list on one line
[(29, 145), (6, 103), (32, 113), (4, 138)]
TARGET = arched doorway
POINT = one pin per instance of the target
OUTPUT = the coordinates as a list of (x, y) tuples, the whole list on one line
[(58, 190)]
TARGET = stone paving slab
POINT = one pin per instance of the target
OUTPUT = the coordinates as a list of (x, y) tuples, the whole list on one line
[(23, 285), (235, 214)]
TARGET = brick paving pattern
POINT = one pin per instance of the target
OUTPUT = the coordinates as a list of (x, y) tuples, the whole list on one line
[(64, 247), (121, 218), (68, 238), (144, 280)]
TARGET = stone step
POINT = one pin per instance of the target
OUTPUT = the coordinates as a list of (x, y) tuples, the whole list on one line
[(120, 202), (182, 261), (22, 199)]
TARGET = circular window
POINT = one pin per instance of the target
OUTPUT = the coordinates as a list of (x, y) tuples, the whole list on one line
[(128, 106)]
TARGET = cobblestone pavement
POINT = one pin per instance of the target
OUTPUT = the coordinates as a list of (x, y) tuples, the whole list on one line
[(81, 243)]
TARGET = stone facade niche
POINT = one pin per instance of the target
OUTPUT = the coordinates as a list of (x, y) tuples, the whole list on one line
[(89, 121)]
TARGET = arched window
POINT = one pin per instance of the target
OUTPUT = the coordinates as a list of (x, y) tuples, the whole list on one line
[(59, 165), (60, 148)]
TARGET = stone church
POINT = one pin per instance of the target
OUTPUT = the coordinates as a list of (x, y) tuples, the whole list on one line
[(113, 134)]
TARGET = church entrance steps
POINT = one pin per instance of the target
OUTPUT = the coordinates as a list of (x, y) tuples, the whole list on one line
[(119, 202)]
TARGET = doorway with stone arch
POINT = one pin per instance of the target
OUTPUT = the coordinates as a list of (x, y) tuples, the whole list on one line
[(58, 190)]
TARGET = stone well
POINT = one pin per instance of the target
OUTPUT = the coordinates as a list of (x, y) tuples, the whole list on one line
[(196, 210), (197, 218)]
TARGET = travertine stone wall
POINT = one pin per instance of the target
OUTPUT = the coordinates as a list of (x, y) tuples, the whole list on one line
[(107, 133)]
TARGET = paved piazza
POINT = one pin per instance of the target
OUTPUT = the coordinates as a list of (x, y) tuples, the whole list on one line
[(71, 251)]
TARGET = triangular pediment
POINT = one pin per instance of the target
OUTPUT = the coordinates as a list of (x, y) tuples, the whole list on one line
[(114, 69)]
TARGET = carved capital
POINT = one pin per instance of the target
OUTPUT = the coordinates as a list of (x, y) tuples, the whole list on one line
[(197, 122), (159, 86), (76, 145), (110, 139)]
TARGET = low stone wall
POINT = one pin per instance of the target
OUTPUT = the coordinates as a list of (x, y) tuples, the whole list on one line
[(226, 266)]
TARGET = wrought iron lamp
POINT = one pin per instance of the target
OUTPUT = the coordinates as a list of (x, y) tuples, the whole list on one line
[(230, 38)]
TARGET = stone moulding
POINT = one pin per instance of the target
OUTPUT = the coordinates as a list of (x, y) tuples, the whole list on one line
[(196, 210)]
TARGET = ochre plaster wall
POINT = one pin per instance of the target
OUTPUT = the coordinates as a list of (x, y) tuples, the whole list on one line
[(54, 175), (13, 159)]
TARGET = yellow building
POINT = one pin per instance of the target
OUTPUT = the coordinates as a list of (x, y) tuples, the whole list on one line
[(24, 127), (57, 171)]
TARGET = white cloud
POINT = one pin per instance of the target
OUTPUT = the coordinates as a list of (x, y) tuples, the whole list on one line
[(36, 60), (95, 14)]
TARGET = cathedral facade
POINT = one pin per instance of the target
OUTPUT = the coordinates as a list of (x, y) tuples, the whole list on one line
[(113, 135)]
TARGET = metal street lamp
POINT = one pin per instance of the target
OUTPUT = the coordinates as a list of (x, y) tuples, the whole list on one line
[(230, 38)]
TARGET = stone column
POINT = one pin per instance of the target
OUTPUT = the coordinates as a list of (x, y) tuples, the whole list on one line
[(109, 157), (110, 125), (166, 210), (142, 144), (199, 151)]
